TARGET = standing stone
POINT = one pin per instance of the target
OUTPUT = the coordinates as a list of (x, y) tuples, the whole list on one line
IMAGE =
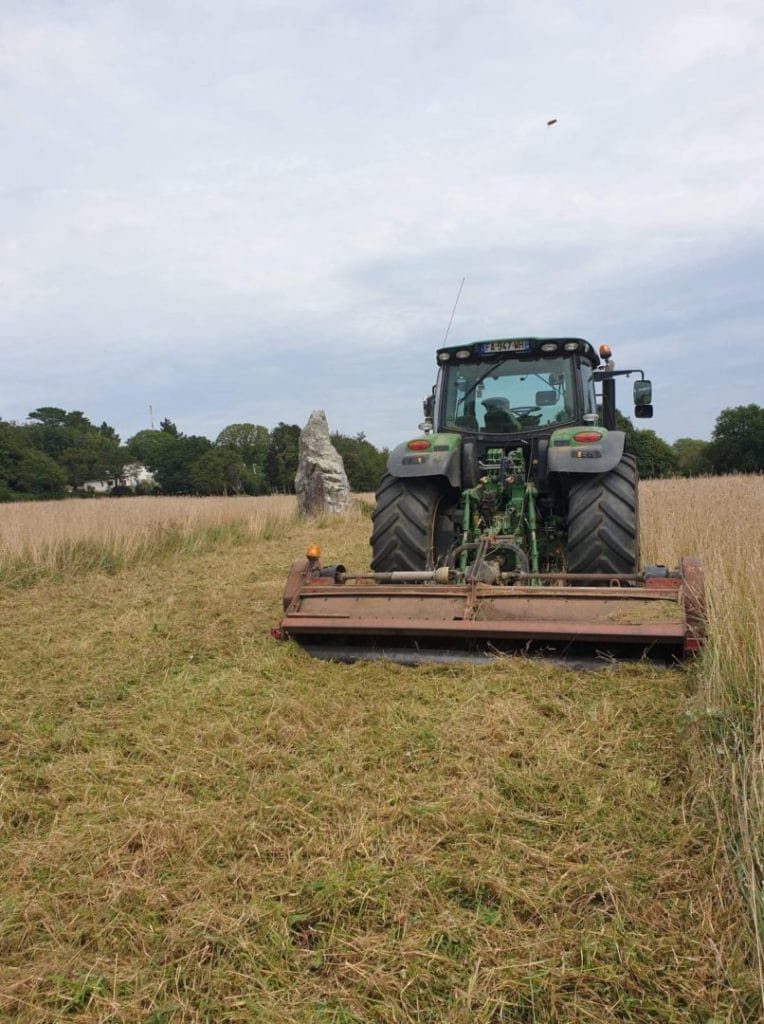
[(321, 483)]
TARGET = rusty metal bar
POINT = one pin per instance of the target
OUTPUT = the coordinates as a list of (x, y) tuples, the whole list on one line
[(597, 577), (645, 633), (368, 589)]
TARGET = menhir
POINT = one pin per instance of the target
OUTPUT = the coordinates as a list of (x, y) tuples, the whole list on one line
[(321, 483)]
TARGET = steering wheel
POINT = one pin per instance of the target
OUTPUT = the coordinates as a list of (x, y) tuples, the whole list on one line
[(525, 410)]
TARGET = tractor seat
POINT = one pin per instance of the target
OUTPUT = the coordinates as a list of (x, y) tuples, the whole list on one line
[(500, 422)]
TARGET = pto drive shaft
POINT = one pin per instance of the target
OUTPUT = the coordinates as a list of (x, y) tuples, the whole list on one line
[(437, 576)]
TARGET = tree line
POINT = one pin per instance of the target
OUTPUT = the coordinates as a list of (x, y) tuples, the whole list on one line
[(736, 446), (56, 453)]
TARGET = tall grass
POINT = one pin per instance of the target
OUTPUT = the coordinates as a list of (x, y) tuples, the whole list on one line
[(722, 519), (75, 536)]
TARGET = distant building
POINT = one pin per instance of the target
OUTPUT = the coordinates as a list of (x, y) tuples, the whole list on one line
[(99, 486), (133, 475)]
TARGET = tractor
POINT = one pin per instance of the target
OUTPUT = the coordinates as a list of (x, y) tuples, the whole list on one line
[(510, 522), (517, 469)]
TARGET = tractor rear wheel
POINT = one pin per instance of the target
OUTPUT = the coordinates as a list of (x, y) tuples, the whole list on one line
[(413, 528), (603, 521)]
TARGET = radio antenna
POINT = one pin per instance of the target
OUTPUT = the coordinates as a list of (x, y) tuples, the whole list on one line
[(458, 296)]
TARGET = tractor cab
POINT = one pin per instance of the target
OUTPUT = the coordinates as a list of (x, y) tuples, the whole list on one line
[(515, 386)]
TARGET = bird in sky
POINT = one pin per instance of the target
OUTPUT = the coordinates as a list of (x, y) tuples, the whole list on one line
[(550, 123)]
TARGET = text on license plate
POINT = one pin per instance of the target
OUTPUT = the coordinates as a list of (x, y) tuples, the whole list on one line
[(515, 345)]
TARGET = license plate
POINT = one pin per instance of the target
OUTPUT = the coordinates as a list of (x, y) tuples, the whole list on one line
[(514, 345)]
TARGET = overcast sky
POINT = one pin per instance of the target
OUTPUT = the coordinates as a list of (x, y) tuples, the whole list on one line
[(244, 211)]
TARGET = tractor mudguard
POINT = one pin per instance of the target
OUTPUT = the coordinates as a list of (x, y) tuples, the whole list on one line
[(433, 455), (566, 455)]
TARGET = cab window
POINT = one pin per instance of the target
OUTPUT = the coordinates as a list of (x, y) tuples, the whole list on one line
[(510, 395)]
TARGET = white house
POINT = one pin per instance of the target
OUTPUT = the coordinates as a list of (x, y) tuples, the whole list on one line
[(133, 474)]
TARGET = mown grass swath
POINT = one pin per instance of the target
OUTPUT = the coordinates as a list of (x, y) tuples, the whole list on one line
[(200, 824)]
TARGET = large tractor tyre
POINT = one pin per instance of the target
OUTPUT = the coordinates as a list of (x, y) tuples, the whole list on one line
[(413, 529), (603, 521)]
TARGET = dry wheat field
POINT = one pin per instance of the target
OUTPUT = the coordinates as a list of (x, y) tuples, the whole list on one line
[(200, 824), (54, 534)]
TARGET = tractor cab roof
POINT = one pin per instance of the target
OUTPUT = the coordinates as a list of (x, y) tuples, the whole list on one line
[(507, 347)]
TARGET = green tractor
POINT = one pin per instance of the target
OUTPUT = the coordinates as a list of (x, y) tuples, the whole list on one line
[(516, 471), (511, 523)]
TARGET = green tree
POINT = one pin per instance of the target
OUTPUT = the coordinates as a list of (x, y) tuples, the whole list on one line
[(174, 467), (148, 447), (25, 471), (282, 458), (251, 442), (221, 471), (655, 457), (91, 456), (83, 451), (52, 416), (364, 464), (168, 427), (170, 456), (691, 456), (49, 432), (109, 432), (38, 475), (737, 443)]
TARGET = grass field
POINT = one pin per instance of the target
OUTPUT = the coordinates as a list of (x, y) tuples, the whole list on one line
[(198, 823), (48, 536)]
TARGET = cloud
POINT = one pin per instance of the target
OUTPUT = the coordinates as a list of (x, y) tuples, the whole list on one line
[(243, 211)]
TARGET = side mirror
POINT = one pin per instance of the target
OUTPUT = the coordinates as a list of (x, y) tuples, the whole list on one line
[(428, 407), (643, 396), (643, 393), (546, 398)]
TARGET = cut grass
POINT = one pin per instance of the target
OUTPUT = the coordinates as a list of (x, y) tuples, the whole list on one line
[(201, 824)]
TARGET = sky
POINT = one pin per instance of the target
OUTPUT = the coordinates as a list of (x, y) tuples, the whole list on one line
[(223, 212)]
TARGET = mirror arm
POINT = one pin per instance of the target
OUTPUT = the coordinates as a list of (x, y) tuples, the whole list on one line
[(599, 375)]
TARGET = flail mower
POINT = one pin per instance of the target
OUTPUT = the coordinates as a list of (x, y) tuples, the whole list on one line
[(510, 523)]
